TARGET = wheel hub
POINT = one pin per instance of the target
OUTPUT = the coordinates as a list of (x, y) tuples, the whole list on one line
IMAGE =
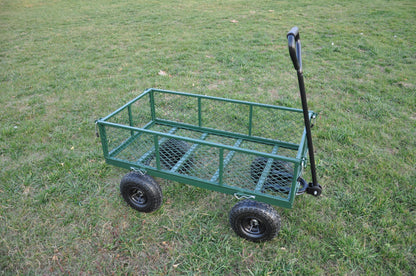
[(253, 226), (254, 223), (138, 197)]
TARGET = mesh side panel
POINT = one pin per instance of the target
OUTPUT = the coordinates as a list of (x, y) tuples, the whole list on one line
[(177, 108), (277, 124), (141, 113), (137, 148), (115, 137), (225, 116)]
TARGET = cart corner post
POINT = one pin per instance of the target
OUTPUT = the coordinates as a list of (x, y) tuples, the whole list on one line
[(152, 103), (296, 56), (130, 118), (103, 137)]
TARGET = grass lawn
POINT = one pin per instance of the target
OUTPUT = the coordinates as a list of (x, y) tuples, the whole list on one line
[(65, 63)]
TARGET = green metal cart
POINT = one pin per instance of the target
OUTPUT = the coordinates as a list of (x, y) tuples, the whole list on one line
[(253, 151)]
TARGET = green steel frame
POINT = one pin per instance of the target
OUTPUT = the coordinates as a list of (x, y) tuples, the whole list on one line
[(224, 153)]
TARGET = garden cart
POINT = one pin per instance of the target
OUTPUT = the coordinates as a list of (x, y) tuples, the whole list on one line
[(254, 151)]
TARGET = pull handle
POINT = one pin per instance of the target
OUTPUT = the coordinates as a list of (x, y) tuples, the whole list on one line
[(295, 48), (295, 54)]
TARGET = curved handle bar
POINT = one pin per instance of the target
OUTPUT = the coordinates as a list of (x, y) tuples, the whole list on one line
[(295, 54), (295, 48)]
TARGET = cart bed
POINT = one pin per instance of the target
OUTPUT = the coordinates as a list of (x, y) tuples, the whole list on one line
[(248, 149)]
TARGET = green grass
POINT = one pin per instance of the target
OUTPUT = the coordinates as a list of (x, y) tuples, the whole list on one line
[(64, 64)]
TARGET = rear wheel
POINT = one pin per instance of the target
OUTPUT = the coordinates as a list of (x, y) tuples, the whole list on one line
[(254, 221), (141, 192)]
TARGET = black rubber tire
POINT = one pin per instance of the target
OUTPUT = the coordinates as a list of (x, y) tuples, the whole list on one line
[(254, 221), (172, 151), (279, 178), (141, 192)]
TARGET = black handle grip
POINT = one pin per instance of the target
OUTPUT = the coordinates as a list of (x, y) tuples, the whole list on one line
[(295, 48), (295, 32)]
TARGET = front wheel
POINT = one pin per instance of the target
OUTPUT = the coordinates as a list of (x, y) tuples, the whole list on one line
[(141, 192), (254, 221)]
